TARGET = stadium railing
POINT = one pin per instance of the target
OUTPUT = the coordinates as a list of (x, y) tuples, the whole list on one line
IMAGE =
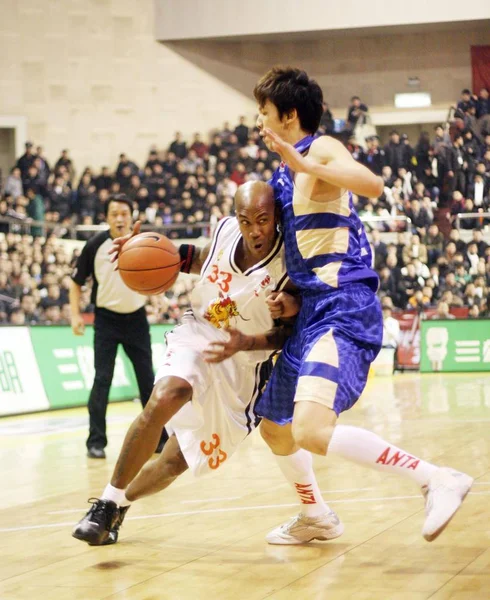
[(482, 217), (25, 226)]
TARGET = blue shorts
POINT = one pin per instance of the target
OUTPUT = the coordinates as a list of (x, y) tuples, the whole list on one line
[(326, 360)]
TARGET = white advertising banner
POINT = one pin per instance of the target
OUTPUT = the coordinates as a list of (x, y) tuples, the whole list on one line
[(21, 387)]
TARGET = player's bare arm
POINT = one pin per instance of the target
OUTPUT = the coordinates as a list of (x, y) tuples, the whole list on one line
[(199, 258), (274, 339), (329, 161), (282, 306)]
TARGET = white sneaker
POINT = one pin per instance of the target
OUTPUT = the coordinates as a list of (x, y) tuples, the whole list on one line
[(302, 529), (444, 494)]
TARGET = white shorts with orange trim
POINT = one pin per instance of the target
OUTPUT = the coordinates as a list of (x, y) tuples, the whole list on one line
[(221, 413)]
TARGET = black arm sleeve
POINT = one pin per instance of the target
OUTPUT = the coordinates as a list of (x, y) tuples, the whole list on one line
[(85, 263), (186, 252)]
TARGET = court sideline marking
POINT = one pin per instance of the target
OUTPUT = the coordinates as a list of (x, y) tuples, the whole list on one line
[(222, 510)]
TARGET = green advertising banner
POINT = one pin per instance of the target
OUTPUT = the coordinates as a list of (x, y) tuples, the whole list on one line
[(66, 364), (21, 388), (455, 345)]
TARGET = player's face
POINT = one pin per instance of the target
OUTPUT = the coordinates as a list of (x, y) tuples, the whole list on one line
[(258, 227), (119, 219), (268, 117)]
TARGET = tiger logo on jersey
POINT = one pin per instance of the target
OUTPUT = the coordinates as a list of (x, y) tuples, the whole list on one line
[(220, 312)]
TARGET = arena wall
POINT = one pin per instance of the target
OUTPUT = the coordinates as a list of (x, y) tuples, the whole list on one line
[(187, 19), (90, 76), (374, 67)]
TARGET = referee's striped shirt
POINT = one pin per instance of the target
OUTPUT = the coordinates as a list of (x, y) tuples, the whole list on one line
[(108, 289)]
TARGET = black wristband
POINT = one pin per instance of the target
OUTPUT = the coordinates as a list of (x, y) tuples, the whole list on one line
[(186, 252)]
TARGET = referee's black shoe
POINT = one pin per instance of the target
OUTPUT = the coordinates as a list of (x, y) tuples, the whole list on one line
[(96, 525), (162, 442), (114, 532), (94, 452)]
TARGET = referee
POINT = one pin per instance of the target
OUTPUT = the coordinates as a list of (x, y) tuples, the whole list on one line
[(120, 318)]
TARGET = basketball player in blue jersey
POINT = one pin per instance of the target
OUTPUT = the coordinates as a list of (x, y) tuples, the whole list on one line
[(324, 365)]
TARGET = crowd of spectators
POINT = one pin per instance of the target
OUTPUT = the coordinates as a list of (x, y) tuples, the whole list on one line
[(186, 189), (422, 272), (175, 189), (35, 275)]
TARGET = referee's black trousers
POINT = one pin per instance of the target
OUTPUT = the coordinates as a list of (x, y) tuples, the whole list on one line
[(111, 329)]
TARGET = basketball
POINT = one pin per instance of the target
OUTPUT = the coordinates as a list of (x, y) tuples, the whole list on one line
[(149, 263)]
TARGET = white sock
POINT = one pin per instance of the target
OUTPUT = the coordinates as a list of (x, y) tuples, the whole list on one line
[(116, 495), (366, 448), (298, 470)]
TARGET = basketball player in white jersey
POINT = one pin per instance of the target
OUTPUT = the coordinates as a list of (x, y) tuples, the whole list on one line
[(208, 407)]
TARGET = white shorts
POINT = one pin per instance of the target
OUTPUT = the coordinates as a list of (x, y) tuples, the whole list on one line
[(221, 413)]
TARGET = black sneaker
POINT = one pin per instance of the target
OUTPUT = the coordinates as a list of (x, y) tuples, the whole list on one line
[(114, 532), (96, 525), (95, 452)]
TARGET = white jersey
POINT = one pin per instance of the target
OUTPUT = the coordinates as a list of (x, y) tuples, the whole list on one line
[(225, 296), (221, 414)]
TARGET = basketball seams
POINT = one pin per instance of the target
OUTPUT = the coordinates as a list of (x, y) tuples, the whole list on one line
[(150, 268), (141, 246)]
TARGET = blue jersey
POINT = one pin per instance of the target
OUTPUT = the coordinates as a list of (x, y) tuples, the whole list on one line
[(339, 328), (326, 244)]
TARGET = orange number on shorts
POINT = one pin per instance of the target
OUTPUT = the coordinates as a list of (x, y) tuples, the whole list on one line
[(223, 276), (208, 448), (212, 447), (214, 463)]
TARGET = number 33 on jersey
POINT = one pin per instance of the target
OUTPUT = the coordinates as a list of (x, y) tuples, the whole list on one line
[(226, 296)]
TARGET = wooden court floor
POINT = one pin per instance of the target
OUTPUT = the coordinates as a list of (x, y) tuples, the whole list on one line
[(204, 539)]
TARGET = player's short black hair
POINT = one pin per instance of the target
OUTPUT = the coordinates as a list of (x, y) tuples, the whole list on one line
[(118, 198), (289, 88)]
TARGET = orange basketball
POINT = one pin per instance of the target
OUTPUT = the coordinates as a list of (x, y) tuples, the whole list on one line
[(149, 263)]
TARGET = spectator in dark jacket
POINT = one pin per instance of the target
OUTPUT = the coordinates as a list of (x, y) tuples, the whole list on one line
[(26, 160), (374, 157), (395, 152), (127, 166), (469, 208), (482, 104), (434, 242), (178, 146), (241, 131), (419, 217), (327, 121), (65, 161), (356, 110), (455, 177), (104, 180), (466, 101), (380, 249)]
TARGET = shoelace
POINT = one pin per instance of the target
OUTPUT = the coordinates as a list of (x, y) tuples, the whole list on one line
[(430, 491), (98, 509), (294, 521)]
